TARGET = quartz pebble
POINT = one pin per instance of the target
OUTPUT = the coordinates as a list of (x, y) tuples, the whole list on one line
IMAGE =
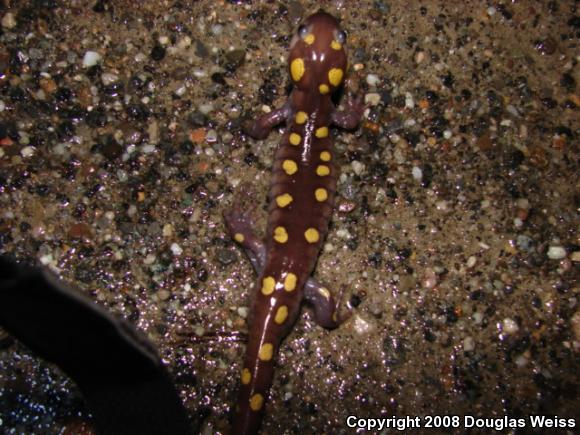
[(556, 253), (91, 58)]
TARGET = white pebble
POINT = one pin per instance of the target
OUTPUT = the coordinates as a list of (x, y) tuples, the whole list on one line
[(372, 99), (91, 58), (357, 167), (468, 344), (417, 173), (556, 253), (108, 78), (205, 108), (510, 326), (181, 89), (471, 261), (150, 259), (420, 56), (372, 79), (148, 149), (176, 249), (409, 102), (27, 151), (491, 11), (477, 317), (2, 106), (521, 361), (199, 73), (9, 21), (243, 312), (46, 259), (361, 326)]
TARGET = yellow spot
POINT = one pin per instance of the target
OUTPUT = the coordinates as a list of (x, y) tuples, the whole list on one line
[(334, 317), (336, 45), (322, 170), (324, 292), (284, 200), (295, 139), (297, 69), (309, 39), (320, 194), (280, 235), (246, 376), (239, 237), (266, 351), (335, 76), (281, 315), (321, 132), (324, 89), (289, 166), (290, 282), (312, 235), (301, 117), (268, 285), (256, 402), (325, 156)]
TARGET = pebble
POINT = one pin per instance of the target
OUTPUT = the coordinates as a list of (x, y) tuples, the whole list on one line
[(575, 322), (477, 317), (361, 326), (575, 256), (211, 136), (149, 259), (243, 312), (148, 149), (357, 167), (372, 79), (409, 102), (8, 20), (205, 108), (510, 326), (91, 58), (468, 344), (167, 230), (372, 98), (471, 261), (109, 78), (417, 173), (163, 294), (176, 249), (27, 151), (556, 252)]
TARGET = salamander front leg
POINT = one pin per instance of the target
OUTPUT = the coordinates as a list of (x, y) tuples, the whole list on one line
[(261, 127), (326, 308)]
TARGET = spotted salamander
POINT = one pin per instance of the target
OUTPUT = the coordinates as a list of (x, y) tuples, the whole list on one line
[(301, 202)]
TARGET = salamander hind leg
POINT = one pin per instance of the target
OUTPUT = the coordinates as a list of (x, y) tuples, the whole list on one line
[(326, 308), (239, 226)]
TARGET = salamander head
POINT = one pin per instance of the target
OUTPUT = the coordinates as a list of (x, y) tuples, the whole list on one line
[(317, 59)]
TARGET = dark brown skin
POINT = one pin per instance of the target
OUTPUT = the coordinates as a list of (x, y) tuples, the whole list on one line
[(301, 202)]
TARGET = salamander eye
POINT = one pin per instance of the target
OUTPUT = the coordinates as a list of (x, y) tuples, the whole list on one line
[(340, 36), (303, 31)]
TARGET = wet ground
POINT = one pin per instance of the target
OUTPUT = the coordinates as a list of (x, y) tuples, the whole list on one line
[(455, 233)]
